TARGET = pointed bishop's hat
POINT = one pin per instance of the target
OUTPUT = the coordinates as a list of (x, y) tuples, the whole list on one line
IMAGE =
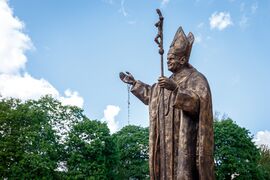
[(181, 44)]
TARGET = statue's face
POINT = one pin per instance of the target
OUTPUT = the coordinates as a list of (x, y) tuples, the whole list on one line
[(173, 63)]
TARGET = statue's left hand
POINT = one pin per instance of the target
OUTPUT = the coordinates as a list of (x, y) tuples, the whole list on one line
[(167, 83)]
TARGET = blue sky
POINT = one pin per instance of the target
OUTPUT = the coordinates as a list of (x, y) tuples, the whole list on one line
[(75, 50)]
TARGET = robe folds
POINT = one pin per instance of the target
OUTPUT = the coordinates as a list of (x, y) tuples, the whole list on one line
[(188, 140)]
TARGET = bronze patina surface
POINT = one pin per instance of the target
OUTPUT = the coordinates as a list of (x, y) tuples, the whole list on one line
[(183, 103)]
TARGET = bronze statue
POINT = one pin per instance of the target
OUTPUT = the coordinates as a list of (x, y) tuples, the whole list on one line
[(181, 120)]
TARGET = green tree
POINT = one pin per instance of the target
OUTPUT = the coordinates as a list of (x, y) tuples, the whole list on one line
[(28, 146), (235, 153), (264, 161), (33, 137), (132, 144), (61, 117), (91, 151)]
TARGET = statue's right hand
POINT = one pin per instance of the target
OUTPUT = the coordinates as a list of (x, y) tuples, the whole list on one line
[(127, 78)]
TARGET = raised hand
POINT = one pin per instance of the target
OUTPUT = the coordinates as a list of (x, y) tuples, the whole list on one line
[(127, 78), (167, 83)]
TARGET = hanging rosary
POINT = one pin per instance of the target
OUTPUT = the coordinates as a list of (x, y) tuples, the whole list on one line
[(128, 102)]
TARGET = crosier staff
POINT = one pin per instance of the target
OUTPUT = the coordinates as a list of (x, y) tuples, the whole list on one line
[(159, 41)]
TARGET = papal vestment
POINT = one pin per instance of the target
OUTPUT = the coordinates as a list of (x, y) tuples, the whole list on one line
[(188, 121)]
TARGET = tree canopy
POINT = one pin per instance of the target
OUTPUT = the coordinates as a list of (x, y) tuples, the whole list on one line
[(28, 145), (44, 139), (264, 162), (236, 156), (91, 151), (132, 145)]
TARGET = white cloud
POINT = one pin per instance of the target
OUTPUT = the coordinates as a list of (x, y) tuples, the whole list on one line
[(262, 138), (198, 39), (254, 8), (243, 23), (132, 22), (220, 20), (164, 2), (242, 7), (122, 9), (200, 25), (25, 87), (72, 98), (109, 116), (246, 14), (14, 81), (13, 42), (108, 1)]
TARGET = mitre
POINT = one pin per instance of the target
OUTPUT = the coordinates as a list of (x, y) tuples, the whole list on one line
[(181, 44)]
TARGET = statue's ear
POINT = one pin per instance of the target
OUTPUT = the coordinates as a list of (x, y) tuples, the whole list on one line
[(183, 60), (190, 38)]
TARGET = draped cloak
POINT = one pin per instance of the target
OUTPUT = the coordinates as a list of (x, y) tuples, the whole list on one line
[(188, 120)]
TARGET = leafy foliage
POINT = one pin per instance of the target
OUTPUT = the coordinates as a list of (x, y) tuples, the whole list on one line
[(91, 152), (132, 143), (264, 161), (28, 146), (62, 118), (33, 135), (37, 136), (235, 153)]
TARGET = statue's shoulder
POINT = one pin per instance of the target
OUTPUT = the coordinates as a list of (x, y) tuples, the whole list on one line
[(199, 84), (198, 76)]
